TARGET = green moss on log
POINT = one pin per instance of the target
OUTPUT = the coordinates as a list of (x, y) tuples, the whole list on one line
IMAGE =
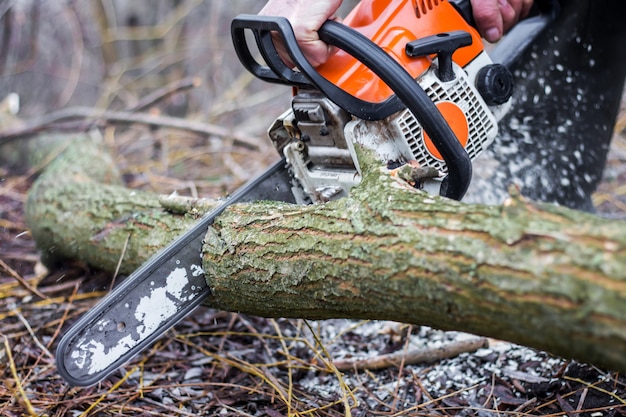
[(79, 209), (538, 275)]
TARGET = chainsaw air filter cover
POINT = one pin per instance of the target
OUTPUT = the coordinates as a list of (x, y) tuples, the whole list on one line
[(473, 123)]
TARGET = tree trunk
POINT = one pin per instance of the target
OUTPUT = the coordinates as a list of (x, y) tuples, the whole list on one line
[(538, 275), (79, 209)]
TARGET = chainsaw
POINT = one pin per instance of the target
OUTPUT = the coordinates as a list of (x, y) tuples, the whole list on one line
[(411, 81)]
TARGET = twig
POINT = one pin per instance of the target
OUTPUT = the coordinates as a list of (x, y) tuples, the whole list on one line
[(407, 343), (32, 333), (38, 124), (112, 389), (165, 92), (289, 395), (239, 412), (77, 55), (593, 386), (66, 312), (22, 281), (327, 359), (18, 383), (414, 356), (432, 401), (581, 400), (169, 408), (119, 262), (565, 406), (525, 405)]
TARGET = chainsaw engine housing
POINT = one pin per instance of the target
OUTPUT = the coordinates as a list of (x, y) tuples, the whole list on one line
[(444, 55)]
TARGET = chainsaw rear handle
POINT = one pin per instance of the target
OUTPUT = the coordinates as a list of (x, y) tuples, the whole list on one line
[(408, 92), (506, 52)]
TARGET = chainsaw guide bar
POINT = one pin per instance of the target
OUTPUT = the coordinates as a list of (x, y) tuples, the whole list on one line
[(155, 297)]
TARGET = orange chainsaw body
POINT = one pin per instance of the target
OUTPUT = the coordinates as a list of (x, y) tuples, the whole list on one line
[(391, 25)]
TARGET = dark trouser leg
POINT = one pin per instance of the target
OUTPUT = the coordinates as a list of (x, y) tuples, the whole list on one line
[(554, 141)]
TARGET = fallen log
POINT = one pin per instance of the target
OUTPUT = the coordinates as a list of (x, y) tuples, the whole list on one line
[(79, 209), (534, 274)]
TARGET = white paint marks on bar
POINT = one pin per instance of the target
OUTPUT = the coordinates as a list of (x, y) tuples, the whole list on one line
[(152, 310)]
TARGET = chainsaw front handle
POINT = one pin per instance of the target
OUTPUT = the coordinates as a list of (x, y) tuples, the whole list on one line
[(407, 92)]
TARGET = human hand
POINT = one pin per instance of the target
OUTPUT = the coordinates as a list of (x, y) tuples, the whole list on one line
[(496, 17), (493, 18), (306, 17)]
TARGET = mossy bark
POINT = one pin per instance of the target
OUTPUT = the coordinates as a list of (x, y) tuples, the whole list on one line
[(79, 209), (539, 275)]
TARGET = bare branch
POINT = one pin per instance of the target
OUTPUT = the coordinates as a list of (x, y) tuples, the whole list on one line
[(35, 125)]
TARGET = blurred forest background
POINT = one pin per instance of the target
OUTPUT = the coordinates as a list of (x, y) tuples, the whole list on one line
[(114, 54), (110, 53)]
